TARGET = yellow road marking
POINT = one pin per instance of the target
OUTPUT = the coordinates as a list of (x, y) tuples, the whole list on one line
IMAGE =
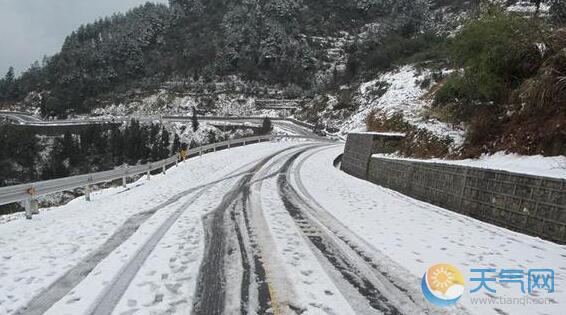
[(272, 292)]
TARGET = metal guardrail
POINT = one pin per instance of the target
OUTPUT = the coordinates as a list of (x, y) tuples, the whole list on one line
[(28, 193)]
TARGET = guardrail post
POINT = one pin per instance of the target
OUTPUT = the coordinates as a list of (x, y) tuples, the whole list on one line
[(27, 204), (164, 170), (124, 183), (34, 206), (87, 192), (228, 144), (31, 204), (200, 151)]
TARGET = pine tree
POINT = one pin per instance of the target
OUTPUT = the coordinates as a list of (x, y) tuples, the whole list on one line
[(57, 164), (558, 12), (164, 144), (43, 111), (194, 120), (134, 142), (176, 144), (70, 149), (154, 142), (153, 133), (117, 146), (10, 76), (266, 126), (9, 86), (19, 151)]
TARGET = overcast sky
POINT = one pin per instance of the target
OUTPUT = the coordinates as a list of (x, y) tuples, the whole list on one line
[(30, 29)]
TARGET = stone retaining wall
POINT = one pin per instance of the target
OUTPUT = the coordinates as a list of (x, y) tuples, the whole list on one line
[(360, 147), (527, 204), (524, 203)]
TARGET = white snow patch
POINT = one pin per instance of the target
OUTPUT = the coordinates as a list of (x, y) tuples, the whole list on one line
[(537, 165), (403, 95), (35, 253), (408, 236), (528, 7)]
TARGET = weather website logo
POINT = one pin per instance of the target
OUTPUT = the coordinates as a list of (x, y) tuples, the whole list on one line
[(443, 284)]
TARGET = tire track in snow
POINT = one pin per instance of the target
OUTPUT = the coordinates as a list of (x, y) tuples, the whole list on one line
[(112, 296), (116, 289), (246, 268), (342, 260), (62, 286), (264, 291), (415, 301), (211, 286)]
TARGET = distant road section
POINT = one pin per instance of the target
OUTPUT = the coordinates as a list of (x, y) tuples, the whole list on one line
[(30, 120), (26, 121), (286, 125), (20, 118)]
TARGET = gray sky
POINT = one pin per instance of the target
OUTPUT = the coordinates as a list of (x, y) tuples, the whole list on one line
[(30, 29)]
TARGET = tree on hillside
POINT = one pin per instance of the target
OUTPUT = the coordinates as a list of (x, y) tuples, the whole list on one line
[(117, 146), (497, 52), (54, 168), (134, 143), (154, 142), (9, 86), (70, 148), (537, 3), (19, 151), (558, 12), (58, 163), (10, 75), (266, 126), (176, 144), (194, 120), (164, 144), (153, 133)]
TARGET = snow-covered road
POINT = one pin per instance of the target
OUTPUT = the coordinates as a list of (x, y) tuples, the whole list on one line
[(270, 228)]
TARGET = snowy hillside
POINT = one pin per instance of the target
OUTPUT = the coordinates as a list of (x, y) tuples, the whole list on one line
[(167, 103), (403, 94)]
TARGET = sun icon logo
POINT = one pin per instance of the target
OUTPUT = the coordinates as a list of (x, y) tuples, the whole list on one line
[(443, 284), (442, 277)]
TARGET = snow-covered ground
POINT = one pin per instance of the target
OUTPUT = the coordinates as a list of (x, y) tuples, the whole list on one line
[(302, 280), (403, 95), (547, 166), (35, 253), (155, 268), (408, 236)]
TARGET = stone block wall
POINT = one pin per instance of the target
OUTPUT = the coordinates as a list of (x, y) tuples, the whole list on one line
[(360, 147), (524, 203)]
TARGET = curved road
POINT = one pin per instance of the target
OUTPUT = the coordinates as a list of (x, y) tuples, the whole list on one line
[(286, 126), (270, 228), (237, 262)]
